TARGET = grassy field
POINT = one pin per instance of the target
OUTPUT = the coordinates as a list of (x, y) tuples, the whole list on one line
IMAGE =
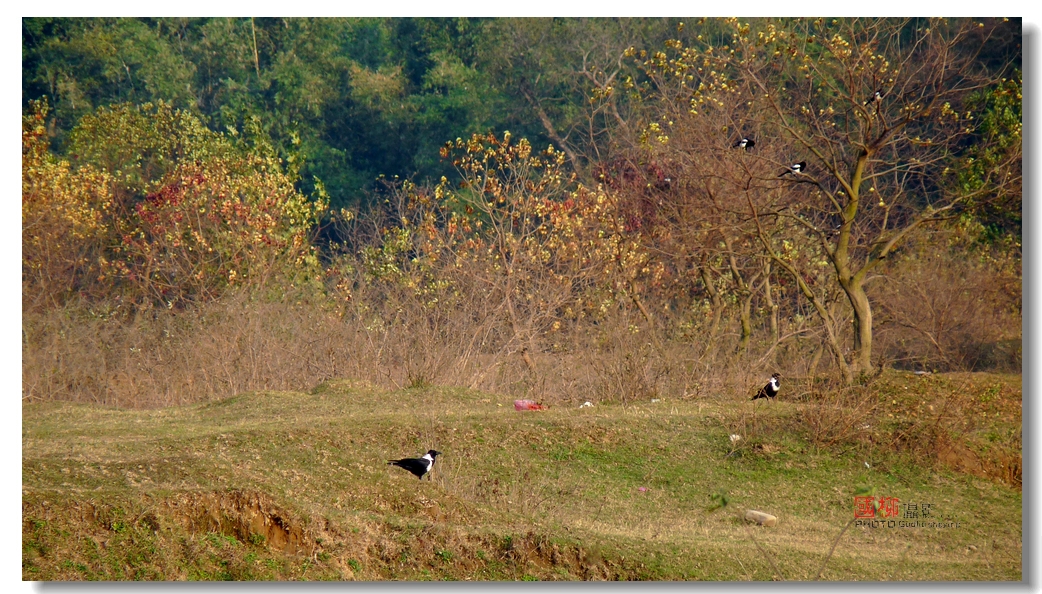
[(294, 486)]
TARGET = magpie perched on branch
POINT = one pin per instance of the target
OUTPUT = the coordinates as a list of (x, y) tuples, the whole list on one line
[(771, 389), (418, 466), (795, 168), (745, 143), (875, 98)]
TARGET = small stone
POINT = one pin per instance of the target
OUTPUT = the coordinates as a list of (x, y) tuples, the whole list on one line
[(761, 518), (972, 548)]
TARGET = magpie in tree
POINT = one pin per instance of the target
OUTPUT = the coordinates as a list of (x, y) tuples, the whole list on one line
[(795, 168), (418, 466), (770, 390), (875, 98), (745, 143)]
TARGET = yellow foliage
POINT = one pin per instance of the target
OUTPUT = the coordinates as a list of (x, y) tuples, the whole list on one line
[(64, 219)]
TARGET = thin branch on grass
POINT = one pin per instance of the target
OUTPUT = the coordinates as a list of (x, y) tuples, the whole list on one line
[(833, 549), (387, 372), (763, 551)]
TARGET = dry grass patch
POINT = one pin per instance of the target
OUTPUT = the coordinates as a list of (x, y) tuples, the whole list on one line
[(605, 492)]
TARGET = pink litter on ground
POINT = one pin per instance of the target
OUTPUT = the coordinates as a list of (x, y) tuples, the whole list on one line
[(527, 405), (642, 489)]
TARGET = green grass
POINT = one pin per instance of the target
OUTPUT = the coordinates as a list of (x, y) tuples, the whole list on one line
[(288, 485)]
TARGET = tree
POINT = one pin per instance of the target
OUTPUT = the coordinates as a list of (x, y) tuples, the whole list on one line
[(565, 79), (345, 99), (516, 248), (880, 109), (184, 212), (66, 222)]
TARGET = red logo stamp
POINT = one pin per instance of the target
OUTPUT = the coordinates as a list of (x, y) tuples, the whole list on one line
[(865, 507), (889, 507), (868, 506)]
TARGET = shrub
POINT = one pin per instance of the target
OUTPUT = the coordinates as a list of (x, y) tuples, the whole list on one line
[(951, 303), (158, 210), (66, 221)]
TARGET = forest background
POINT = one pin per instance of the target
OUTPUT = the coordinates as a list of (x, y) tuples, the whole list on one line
[(549, 208)]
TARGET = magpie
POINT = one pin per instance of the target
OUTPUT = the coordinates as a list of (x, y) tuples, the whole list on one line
[(876, 97), (770, 390), (418, 466), (795, 168), (745, 143)]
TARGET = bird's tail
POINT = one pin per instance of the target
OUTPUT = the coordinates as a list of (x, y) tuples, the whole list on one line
[(784, 173)]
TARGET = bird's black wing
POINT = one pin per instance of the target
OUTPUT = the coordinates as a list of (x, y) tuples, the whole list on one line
[(413, 465)]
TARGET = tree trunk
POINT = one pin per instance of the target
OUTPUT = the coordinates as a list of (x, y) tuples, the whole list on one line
[(747, 325), (640, 305), (548, 125), (816, 359), (745, 289), (855, 292), (718, 306), (770, 302), (256, 56)]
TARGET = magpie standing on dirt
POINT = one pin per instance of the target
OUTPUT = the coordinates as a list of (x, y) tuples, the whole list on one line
[(745, 143), (771, 389), (795, 168), (418, 466)]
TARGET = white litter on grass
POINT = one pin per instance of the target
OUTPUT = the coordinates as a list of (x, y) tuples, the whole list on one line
[(867, 465), (863, 427), (735, 437), (655, 400), (585, 404)]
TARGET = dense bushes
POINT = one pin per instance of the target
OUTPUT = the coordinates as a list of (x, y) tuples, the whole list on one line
[(514, 280), (155, 209), (951, 303), (166, 262), (66, 222)]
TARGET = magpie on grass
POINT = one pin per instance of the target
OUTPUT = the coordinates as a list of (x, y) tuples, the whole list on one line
[(770, 390), (418, 466), (795, 168), (745, 143)]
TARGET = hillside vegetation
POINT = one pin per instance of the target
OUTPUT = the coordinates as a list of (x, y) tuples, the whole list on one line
[(293, 485), (180, 248), (224, 218)]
